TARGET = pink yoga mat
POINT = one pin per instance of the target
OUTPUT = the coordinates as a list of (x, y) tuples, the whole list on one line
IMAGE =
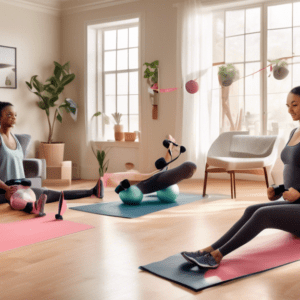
[(27, 232)]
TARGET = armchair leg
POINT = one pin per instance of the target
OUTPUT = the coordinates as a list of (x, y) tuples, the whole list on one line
[(234, 184), (205, 180), (231, 184), (266, 176)]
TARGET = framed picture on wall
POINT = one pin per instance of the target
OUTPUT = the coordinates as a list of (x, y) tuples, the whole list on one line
[(8, 67)]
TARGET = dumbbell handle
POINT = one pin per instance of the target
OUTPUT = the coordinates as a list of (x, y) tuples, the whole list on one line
[(279, 189)]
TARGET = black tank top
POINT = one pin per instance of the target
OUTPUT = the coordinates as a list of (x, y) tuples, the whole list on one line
[(290, 156)]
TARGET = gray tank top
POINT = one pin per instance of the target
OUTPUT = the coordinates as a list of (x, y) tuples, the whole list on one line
[(290, 156), (11, 161)]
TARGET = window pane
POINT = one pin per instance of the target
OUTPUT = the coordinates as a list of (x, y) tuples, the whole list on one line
[(109, 132), (279, 86), (235, 49), (218, 37), (122, 85), (252, 82), (296, 75), (252, 115), (134, 104), (279, 43), (110, 105), (235, 22), (237, 87), (296, 12), (277, 109), (123, 38), (110, 84), (296, 42), (253, 20), (122, 59), (110, 38), (133, 83), (133, 37), (133, 123), (124, 122), (110, 61), (123, 105), (280, 16), (133, 58), (253, 47)]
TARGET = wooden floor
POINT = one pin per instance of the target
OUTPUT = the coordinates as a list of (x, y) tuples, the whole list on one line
[(102, 263)]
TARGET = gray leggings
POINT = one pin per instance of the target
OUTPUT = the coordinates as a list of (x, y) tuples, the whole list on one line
[(279, 214)]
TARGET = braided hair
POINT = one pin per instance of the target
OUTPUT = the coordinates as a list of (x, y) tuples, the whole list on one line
[(296, 91), (2, 106)]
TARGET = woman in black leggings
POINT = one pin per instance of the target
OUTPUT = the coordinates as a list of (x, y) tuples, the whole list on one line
[(283, 215)]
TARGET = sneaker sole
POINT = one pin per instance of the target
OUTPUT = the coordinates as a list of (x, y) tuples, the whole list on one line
[(203, 265), (187, 258)]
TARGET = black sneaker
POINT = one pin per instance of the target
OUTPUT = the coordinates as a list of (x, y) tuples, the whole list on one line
[(190, 255), (205, 261)]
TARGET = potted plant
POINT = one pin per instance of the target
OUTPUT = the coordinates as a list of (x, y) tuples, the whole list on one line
[(152, 76), (279, 70), (119, 132), (48, 94), (227, 74)]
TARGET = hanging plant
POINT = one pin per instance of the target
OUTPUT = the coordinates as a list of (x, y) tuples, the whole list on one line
[(280, 70), (227, 74), (152, 74)]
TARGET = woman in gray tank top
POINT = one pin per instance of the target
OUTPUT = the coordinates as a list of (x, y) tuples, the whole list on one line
[(282, 214), (11, 167)]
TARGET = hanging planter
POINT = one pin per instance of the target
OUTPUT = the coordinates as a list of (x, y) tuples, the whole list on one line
[(280, 70), (227, 75)]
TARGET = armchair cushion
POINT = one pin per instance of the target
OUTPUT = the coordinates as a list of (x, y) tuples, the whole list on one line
[(247, 146), (34, 167)]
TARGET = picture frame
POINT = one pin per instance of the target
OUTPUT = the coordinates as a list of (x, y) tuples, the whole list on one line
[(8, 67)]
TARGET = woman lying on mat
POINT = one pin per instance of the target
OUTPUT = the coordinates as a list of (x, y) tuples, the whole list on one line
[(283, 215), (11, 167)]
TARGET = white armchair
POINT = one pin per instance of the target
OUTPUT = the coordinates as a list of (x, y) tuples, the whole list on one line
[(238, 152)]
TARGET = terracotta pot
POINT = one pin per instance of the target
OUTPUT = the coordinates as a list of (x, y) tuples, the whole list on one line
[(53, 153), (119, 134)]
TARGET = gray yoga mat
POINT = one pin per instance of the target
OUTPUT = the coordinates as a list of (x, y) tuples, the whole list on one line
[(149, 205), (259, 255)]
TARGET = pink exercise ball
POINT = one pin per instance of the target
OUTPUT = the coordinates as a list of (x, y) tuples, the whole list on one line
[(192, 87)]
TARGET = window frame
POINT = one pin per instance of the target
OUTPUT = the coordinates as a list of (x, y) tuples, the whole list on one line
[(116, 72), (263, 52)]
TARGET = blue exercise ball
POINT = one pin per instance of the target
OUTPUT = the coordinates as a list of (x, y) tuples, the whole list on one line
[(168, 195), (131, 196)]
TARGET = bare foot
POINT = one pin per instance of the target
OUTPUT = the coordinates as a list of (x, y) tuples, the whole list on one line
[(217, 255)]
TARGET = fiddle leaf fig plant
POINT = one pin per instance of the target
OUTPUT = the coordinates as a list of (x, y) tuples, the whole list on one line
[(49, 93)]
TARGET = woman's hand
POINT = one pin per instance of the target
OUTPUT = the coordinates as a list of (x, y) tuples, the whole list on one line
[(291, 195), (271, 194), (10, 191)]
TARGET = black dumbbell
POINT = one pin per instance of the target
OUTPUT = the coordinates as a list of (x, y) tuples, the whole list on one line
[(279, 189)]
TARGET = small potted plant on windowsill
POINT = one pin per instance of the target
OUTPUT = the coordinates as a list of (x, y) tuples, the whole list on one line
[(227, 74), (119, 132)]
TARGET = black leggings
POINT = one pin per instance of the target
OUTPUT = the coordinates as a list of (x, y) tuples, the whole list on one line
[(277, 215)]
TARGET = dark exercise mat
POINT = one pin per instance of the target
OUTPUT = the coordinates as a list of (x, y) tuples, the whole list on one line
[(259, 255), (149, 205)]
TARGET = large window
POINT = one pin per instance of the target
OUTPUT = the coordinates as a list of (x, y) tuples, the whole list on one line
[(245, 40), (120, 50)]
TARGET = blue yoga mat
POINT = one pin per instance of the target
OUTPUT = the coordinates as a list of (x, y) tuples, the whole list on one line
[(149, 205)]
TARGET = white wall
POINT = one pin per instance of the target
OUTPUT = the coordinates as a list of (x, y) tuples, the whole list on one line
[(36, 35)]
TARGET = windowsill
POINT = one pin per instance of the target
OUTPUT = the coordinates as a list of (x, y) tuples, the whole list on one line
[(117, 144)]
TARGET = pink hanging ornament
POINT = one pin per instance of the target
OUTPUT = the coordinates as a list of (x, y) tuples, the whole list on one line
[(192, 87)]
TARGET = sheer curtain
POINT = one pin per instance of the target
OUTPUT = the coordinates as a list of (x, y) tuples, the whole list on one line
[(198, 119)]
